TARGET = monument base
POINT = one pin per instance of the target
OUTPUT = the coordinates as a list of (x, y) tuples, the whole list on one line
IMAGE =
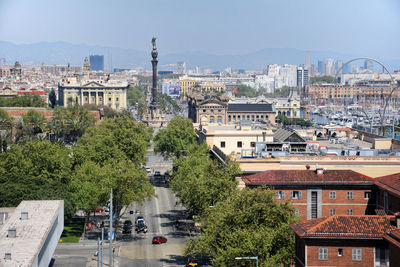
[(156, 119)]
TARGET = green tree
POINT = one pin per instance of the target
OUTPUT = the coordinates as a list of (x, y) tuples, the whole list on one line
[(201, 182), (37, 170), (91, 184), (322, 79), (26, 100), (114, 140), (295, 121), (30, 127), (176, 139), (68, 124), (6, 126), (247, 91), (135, 93), (247, 223), (52, 98)]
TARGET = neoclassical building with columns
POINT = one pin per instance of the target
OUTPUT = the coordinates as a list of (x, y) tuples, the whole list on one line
[(102, 93)]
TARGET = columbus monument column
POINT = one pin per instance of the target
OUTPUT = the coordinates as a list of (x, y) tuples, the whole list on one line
[(154, 117), (154, 61)]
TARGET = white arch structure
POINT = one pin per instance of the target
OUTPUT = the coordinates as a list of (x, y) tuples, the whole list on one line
[(382, 115)]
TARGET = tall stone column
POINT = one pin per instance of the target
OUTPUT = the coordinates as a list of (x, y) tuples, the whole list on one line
[(154, 54)]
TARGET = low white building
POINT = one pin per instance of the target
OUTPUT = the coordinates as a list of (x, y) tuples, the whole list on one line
[(30, 234)]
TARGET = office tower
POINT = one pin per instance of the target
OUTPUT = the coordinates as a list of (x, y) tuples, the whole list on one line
[(96, 62), (302, 77), (307, 65), (181, 67), (368, 65)]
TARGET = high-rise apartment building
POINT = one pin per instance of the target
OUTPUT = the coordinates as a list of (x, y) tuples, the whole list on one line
[(302, 77), (96, 62), (330, 67)]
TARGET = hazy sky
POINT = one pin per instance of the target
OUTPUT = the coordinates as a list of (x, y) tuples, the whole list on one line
[(363, 27)]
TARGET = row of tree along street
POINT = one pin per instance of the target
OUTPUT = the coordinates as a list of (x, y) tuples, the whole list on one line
[(80, 163), (235, 223)]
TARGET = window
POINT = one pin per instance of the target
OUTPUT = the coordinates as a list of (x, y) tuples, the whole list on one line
[(297, 212), (252, 144), (109, 99), (356, 254), (295, 194), (117, 99), (212, 111), (239, 144), (219, 119), (280, 195), (332, 211), (248, 117), (323, 254), (350, 195), (234, 117), (340, 252), (332, 195), (222, 143), (350, 212), (262, 117), (229, 118), (367, 195), (219, 110), (204, 110)]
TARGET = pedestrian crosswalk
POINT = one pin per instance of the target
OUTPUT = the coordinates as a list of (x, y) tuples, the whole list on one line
[(151, 252)]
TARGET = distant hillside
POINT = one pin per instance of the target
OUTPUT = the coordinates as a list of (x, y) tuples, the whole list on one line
[(62, 53)]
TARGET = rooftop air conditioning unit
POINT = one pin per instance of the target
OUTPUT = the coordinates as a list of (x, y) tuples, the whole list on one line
[(24, 215), (12, 233)]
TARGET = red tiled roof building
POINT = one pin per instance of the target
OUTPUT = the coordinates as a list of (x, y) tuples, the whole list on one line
[(343, 240), (317, 193)]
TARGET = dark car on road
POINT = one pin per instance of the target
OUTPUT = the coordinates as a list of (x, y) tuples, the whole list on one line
[(157, 173), (127, 229), (158, 239), (141, 227)]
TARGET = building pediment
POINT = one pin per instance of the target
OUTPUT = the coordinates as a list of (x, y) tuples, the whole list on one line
[(93, 84), (212, 101)]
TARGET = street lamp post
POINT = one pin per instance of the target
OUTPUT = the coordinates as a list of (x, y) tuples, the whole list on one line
[(248, 258)]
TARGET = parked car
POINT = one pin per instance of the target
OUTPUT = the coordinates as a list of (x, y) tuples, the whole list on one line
[(157, 173), (158, 239), (139, 218), (127, 229), (141, 227), (148, 170)]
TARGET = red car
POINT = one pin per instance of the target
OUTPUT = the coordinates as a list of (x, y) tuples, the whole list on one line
[(159, 239)]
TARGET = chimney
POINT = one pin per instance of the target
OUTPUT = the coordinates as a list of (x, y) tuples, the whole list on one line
[(24, 215), (12, 233), (320, 171), (7, 256), (397, 219)]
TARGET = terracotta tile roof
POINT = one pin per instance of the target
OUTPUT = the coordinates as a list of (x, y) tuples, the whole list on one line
[(393, 237), (345, 226), (390, 183), (285, 177)]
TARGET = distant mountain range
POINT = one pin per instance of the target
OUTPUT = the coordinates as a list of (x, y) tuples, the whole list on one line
[(63, 52)]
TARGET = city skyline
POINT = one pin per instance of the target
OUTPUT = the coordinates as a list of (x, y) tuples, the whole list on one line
[(364, 28)]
